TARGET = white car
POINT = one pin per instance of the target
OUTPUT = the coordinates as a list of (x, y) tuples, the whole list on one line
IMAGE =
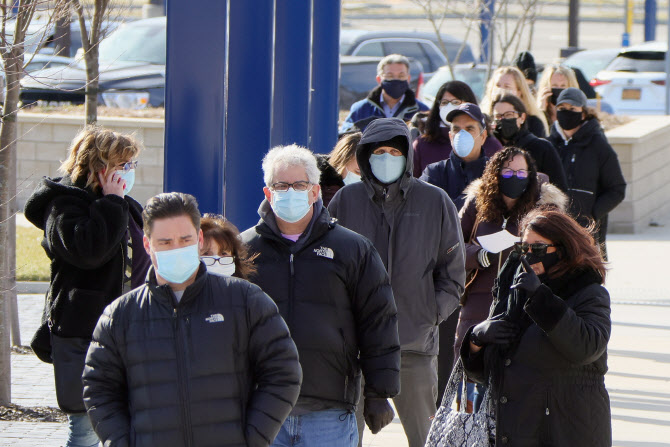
[(634, 82)]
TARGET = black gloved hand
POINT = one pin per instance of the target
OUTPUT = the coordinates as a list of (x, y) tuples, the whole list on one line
[(527, 280), (377, 413), (495, 332)]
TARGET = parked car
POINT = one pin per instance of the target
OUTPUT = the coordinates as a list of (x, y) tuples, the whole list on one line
[(475, 75), (35, 62), (421, 46), (634, 82), (358, 77), (132, 71), (590, 62)]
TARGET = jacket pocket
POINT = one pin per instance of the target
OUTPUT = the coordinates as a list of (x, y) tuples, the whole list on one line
[(78, 315), (352, 373)]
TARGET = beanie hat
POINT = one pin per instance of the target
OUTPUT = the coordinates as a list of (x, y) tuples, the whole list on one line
[(398, 142), (525, 62)]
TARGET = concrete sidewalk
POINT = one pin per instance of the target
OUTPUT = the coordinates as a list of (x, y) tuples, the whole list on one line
[(639, 354)]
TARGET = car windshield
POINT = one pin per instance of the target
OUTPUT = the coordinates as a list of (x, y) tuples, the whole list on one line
[(590, 62), (474, 77), (135, 43), (638, 61)]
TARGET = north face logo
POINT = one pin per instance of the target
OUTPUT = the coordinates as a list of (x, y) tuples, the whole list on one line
[(214, 318), (325, 252)]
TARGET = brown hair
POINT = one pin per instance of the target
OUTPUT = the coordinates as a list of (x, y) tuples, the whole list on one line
[(219, 229), (95, 149), (490, 204), (577, 247), (170, 204), (344, 151)]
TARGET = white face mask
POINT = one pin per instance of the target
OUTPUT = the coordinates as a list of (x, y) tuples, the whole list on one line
[(444, 111), (351, 178), (222, 269)]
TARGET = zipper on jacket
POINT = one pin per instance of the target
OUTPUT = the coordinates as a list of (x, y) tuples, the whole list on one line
[(181, 377), (572, 160), (291, 292)]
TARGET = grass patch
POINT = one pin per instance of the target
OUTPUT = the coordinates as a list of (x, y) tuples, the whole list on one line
[(32, 263)]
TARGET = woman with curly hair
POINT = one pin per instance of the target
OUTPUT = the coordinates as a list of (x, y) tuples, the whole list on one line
[(508, 190), (223, 252), (544, 345)]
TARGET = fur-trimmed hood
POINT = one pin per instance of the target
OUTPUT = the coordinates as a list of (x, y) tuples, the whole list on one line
[(549, 194)]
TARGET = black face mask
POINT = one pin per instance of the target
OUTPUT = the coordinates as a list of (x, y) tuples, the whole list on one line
[(568, 119), (548, 261), (554, 94), (506, 128), (513, 187), (395, 88)]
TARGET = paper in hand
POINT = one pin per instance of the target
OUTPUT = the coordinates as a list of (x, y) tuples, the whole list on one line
[(497, 242)]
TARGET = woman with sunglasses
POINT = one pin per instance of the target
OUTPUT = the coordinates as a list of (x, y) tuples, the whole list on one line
[(223, 251), (495, 204), (434, 145), (544, 346), (510, 126), (93, 237)]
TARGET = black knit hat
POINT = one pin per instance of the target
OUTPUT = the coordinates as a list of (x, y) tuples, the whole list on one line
[(398, 142), (525, 62)]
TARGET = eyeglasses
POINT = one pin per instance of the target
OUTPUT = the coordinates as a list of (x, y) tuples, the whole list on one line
[(130, 165), (453, 102), (509, 173), (297, 186), (507, 115), (223, 260), (539, 249)]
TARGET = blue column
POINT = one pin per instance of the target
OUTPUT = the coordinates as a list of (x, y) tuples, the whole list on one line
[(324, 105), (194, 100), (249, 117), (290, 110), (649, 20), (486, 32)]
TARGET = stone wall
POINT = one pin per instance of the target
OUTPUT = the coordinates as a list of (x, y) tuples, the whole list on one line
[(44, 141)]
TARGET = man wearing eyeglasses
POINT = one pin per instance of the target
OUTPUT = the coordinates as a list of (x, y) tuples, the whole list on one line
[(393, 96), (332, 289), (467, 160)]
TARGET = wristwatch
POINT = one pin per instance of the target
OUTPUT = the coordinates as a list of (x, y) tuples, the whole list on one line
[(475, 341)]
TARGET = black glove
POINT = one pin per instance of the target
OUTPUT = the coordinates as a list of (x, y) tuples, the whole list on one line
[(527, 280), (377, 413), (495, 332)]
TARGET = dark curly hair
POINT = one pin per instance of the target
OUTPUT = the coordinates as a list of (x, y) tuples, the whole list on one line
[(490, 204), (460, 90), (220, 230)]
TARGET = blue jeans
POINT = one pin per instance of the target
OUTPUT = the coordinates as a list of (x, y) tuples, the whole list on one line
[(328, 428), (80, 431)]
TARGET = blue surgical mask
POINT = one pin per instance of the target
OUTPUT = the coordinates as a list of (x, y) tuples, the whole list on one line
[(290, 206), (129, 178), (351, 178), (176, 266), (387, 168), (463, 143)]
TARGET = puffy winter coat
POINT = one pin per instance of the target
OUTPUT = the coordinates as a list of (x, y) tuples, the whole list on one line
[(595, 181), (415, 228), (549, 389), (333, 291), (216, 368)]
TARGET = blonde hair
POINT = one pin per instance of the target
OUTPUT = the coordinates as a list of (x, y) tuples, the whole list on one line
[(95, 149), (522, 87), (344, 151), (552, 69)]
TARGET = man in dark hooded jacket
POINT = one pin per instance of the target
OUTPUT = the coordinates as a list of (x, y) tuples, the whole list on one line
[(332, 290), (416, 230)]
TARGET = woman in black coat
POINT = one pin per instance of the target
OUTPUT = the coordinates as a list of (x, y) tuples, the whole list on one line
[(544, 345), (93, 237), (510, 126)]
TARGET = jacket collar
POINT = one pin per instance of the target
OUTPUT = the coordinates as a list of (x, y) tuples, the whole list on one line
[(320, 223), (165, 294), (375, 95)]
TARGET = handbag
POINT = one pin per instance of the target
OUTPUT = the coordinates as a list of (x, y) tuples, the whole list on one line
[(454, 428)]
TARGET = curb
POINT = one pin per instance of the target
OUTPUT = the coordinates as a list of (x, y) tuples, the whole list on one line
[(40, 287)]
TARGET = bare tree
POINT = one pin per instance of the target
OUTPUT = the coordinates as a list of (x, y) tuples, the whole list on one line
[(14, 23)]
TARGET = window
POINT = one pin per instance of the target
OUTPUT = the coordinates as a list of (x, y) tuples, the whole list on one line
[(370, 49), (638, 61), (409, 49)]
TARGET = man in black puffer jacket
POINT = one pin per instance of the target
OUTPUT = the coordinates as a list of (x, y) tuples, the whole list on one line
[(331, 287), (189, 358)]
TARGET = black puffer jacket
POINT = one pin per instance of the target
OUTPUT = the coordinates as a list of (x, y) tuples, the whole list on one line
[(333, 291), (218, 368), (549, 389), (85, 238), (595, 181)]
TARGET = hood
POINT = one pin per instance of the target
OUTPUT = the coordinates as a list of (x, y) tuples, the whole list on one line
[(383, 129), (47, 190), (549, 194)]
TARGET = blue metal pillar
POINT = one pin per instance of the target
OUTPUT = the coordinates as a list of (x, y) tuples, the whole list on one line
[(324, 105), (290, 110), (486, 31), (649, 20), (249, 116), (194, 100)]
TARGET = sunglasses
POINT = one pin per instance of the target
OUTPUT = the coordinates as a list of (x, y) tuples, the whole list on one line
[(539, 250)]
